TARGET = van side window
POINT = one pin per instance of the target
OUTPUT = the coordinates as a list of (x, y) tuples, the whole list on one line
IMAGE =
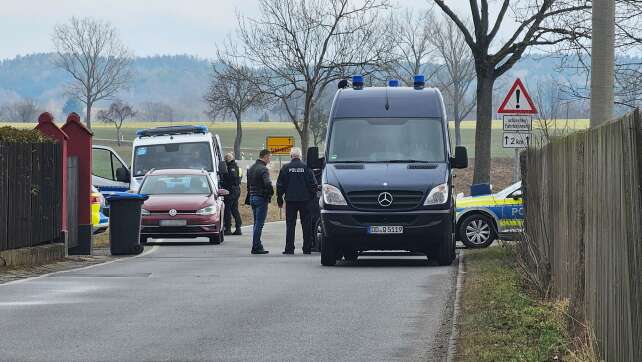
[(101, 164)]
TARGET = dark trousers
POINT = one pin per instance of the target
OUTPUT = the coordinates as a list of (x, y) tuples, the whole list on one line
[(291, 210), (232, 209), (259, 209)]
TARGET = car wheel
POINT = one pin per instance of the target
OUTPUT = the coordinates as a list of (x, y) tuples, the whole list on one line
[(444, 252), (217, 238), (477, 231), (328, 252), (318, 235)]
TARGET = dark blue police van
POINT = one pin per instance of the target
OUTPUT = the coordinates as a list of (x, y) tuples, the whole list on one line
[(387, 173)]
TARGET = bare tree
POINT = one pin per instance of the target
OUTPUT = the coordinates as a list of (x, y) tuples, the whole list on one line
[(318, 125), (25, 110), (411, 36), (548, 98), (534, 28), (232, 91), (305, 45), (92, 53), (458, 73), (156, 111), (117, 113)]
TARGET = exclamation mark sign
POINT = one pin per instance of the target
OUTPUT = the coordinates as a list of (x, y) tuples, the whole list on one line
[(517, 92)]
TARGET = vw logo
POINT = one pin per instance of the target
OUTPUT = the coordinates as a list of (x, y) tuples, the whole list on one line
[(385, 199), (172, 212)]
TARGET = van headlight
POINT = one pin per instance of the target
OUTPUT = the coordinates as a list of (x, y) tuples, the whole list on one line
[(333, 196), (210, 210), (438, 195)]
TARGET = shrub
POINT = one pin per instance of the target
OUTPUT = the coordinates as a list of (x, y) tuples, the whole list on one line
[(15, 135)]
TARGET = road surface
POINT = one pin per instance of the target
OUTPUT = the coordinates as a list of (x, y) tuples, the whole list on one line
[(201, 302)]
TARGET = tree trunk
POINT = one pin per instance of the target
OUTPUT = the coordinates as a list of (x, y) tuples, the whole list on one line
[(483, 128), (88, 115), (602, 60), (457, 117), (118, 135), (239, 138)]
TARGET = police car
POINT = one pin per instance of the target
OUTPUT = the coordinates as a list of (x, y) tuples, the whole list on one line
[(482, 219)]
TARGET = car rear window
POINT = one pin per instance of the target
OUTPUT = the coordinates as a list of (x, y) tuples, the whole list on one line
[(176, 184)]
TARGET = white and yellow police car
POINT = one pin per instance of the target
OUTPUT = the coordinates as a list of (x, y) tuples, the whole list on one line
[(482, 219)]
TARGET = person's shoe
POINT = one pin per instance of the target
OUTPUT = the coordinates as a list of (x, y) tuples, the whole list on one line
[(288, 252), (260, 252), (238, 232)]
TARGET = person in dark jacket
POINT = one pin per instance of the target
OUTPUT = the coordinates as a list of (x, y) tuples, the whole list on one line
[(232, 183), (259, 195), (297, 183)]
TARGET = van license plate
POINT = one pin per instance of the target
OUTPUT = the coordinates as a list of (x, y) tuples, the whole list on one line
[(385, 230), (173, 222)]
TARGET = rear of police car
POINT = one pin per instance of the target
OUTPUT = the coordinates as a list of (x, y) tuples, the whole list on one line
[(387, 182)]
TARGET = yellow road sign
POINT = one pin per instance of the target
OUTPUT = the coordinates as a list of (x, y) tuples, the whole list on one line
[(279, 145)]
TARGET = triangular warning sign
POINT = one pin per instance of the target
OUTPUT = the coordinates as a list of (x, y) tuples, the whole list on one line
[(517, 101)]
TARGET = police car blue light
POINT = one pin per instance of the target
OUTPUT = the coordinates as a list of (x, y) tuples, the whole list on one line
[(393, 83), (357, 81), (419, 81)]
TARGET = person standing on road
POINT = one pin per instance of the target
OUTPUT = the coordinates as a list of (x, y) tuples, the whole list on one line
[(232, 183), (297, 183), (259, 195)]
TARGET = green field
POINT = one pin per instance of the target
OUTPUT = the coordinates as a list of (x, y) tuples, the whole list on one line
[(254, 134)]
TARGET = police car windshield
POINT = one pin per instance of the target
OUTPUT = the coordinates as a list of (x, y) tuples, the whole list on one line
[(196, 155), (176, 184), (386, 140)]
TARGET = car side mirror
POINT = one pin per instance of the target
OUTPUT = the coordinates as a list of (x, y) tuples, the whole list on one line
[(461, 157), (223, 192), (122, 175), (313, 160), (222, 168), (516, 195)]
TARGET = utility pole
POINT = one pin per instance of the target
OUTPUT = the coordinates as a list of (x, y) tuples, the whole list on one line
[(602, 61)]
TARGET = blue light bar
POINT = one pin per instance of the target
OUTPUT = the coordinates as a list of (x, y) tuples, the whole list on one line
[(393, 83), (171, 130), (419, 81), (357, 81)]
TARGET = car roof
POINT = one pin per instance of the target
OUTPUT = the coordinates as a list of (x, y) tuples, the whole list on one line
[(386, 102), (178, 171)]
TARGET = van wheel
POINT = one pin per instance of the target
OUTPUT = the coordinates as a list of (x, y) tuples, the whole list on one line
[(476, 231), (328, 252), (444, 252), (318, 235), (143, 240), (351, 255)]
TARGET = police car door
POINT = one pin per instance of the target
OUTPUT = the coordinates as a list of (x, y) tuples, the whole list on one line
[(512, 218), (109, 171)]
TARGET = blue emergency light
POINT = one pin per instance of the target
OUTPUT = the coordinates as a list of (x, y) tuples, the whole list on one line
[(393, 83), (419, 81), (357, 81), (171, 130)]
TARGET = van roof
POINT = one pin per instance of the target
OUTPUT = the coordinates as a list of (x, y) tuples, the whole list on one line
[(178, 171), (384, 102)]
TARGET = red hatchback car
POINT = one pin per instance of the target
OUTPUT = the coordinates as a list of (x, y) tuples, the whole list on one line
[(181, 204)]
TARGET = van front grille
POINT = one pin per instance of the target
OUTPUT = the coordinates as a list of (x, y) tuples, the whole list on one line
[(401, 200)]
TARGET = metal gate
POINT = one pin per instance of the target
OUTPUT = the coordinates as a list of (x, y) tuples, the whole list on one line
[(72, 201)]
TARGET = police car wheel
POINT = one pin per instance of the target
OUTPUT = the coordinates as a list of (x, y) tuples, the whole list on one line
[(328, 252), (476, 231)]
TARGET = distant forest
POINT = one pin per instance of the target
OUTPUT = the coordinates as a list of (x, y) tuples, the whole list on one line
[(172, 86)]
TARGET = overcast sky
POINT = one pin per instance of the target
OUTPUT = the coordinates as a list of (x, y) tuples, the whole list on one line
[(147, 27)]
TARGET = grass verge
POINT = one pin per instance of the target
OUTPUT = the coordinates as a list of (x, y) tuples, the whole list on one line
[(499, 320)]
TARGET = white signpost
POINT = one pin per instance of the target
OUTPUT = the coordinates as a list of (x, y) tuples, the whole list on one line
[(517, 110)]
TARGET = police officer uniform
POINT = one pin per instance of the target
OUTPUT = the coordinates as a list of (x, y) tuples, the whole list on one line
[(297, 183), (232, 183)]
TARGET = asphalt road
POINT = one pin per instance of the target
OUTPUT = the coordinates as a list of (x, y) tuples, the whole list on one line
[(201, 302)]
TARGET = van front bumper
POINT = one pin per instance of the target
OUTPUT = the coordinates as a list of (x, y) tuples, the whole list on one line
[(421, 229)]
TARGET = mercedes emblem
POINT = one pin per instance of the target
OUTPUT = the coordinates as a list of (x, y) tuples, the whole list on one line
[(385, 199), (172, 212)]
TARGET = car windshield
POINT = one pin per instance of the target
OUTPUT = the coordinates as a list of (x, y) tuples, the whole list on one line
[(386, 140), (174, 155), (507, 191), (176, 184)]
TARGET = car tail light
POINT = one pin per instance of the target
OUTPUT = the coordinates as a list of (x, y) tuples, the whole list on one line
[(95, 199)]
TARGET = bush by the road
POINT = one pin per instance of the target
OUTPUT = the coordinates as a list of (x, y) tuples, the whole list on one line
[(15, 135)]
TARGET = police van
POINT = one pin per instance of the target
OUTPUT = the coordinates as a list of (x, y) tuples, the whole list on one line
[(387, 173), (159, 148)]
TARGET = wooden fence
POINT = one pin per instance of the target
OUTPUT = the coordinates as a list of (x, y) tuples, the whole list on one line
[(30, 200), (584, 229)]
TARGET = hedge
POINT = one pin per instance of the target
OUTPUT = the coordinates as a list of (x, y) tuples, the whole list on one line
[(15, 135)]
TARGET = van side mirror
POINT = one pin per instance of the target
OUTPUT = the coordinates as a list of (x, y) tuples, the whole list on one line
[(222, 168), (461, 157), (313, 160), (122, 175)]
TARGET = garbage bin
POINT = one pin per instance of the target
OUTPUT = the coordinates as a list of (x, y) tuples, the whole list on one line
[(124, 223)]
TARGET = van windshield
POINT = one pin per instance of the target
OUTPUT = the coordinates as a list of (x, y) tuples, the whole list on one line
[(197, 155), (386, 140)]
